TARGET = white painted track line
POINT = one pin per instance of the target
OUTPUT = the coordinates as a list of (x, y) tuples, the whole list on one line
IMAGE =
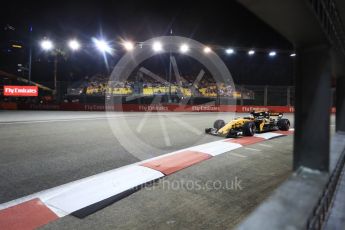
[(238, 155), (265, 145), (252, 149)]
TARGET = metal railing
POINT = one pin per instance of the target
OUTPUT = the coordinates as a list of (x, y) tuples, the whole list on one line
[(269, 95), (331, 22), (321, 211)]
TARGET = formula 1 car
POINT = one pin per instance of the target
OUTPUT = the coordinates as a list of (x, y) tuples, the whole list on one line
[(257, 122)]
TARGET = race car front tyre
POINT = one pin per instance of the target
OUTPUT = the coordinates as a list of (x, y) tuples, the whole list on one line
[(249, 128), (218, 124), (208, 130), (283, 124)]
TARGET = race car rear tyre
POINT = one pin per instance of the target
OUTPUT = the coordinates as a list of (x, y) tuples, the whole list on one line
[(218, 124), (249, 128), (283, 124)]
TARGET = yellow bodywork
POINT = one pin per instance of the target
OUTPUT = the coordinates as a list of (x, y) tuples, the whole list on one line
[(236, 123)]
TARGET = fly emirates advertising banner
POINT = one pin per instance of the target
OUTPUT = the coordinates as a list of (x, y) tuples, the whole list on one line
[(20, 91)]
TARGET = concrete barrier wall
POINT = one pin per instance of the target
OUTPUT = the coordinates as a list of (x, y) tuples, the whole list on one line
[(8, 106)]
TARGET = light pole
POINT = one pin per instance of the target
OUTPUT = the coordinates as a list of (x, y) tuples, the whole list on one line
[(55, 72), (30, 53), (170, 56), (48, 45)]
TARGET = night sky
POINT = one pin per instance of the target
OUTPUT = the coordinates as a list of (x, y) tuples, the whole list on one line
[(211, 22)]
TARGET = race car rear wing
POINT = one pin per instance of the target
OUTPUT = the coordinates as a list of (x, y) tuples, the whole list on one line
[(266, 114), (275, 114)]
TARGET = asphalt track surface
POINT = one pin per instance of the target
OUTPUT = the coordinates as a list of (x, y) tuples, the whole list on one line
[(174, 203), (43, 149)]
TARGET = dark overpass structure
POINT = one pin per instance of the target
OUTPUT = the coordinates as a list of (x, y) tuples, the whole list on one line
[(313, 197)]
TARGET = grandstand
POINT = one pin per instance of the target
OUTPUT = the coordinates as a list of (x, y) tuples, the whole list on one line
[(99, 85)]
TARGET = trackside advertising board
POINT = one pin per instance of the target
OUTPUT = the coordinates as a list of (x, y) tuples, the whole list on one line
[(148, 108), (20, 91)]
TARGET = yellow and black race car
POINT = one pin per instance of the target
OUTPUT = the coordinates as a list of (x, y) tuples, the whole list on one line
[(257, 122)]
